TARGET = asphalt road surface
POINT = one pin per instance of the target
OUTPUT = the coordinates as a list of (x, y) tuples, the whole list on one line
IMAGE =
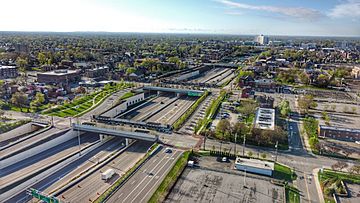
[(140, 187), (65, 174), (92, 186)]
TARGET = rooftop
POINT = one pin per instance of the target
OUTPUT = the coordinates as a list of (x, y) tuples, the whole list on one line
[(59, 72), (255, 163), (265, 119)]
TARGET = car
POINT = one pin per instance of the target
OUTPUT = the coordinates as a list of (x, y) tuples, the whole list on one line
[(357, 142), (224, 159), (168, 150)]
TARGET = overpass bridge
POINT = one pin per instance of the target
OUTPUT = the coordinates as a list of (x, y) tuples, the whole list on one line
[(177, 91), (112, 131)]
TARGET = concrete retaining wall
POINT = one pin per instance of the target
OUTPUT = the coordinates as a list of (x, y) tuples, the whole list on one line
[(48, 170), (22, 130), (38, 149), (124, 105)]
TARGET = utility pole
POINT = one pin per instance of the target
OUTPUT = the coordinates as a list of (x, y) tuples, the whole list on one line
[(244, 145), (276, 152), (205, 141), (78, 134), (235, 145)]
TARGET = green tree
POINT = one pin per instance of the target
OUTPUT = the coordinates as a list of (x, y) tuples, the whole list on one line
[(223, 129), (285, 108), (304, 78), (37, 101), (130, 70), (19, 99), (305, 102), (42, 58)]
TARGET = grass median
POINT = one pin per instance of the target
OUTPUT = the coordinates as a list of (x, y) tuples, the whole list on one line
[(170, 179)]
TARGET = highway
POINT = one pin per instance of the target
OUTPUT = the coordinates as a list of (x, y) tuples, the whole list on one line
[(92, 186), (44, 135), (14, 135), (65, 174), (220, 76), (140, 187), (29, 166), (151, 107), (172, 112)]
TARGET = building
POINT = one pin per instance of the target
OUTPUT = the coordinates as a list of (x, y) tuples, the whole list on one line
[(97, 72), (8, 72), (346, 134), (265, 119), (21, 48), (355, 72), (59, 76), (254, 166), (262, 40)]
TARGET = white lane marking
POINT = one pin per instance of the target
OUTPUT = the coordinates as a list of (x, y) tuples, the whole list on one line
[(157, 174), (134, 189)]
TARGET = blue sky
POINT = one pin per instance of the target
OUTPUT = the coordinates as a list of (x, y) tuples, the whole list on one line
[(270, 17)]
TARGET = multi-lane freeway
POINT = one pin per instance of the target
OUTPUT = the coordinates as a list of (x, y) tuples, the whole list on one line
[(92, 186), (140, 187)]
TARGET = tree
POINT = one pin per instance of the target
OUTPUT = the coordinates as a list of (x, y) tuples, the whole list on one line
[(223, 129), (42, 58), (19, 99), (340, 165), (355, 169), (37, 101), (353, 109), (263, 155), (240, 129), (333, 107), (322, 80), (249, 153), (130, 70), (306, 102), (247, 108), (304, 78), (285, 108)]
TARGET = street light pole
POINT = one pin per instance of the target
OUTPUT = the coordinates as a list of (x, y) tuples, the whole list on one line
[(78, 134), (244, 145), (276, 152), (235, 145)]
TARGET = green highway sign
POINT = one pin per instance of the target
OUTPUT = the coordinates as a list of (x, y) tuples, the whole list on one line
[(194, 94), (38, 195)]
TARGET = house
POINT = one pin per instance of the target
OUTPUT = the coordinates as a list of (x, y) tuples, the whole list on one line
[(7, 72), (246, 81)]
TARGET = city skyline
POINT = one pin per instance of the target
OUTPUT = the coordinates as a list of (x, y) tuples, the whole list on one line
[(305, 18)]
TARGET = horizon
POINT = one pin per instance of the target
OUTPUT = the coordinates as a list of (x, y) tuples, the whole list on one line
[(220, 17)]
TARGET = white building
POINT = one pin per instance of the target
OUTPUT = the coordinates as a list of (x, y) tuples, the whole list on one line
[(265, 119), (262, 40), (254, 166)]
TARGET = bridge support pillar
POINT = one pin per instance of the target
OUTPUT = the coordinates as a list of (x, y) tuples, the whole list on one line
[(103, 137), (126, 141), (158, 93), (177, 95)]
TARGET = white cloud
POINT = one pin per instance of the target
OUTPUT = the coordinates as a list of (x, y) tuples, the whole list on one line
[(349, 8), (294, 12)]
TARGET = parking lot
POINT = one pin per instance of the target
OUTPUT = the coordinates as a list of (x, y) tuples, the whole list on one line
[(207, 185)]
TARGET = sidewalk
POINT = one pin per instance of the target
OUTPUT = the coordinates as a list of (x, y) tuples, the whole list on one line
[(318, 187)]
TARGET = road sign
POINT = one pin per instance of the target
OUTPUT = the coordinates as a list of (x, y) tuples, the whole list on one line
[(38, 195), (194, 94)]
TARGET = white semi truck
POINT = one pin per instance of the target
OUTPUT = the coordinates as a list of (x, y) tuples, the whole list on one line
[(107, 174)]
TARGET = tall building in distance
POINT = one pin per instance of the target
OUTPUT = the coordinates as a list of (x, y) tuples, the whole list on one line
[(262, 40)]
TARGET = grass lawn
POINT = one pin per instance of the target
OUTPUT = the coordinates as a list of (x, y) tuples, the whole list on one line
[(282, 172), (292, 194), (328, 178), (170, 179), (5, 127), (83, 104)]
